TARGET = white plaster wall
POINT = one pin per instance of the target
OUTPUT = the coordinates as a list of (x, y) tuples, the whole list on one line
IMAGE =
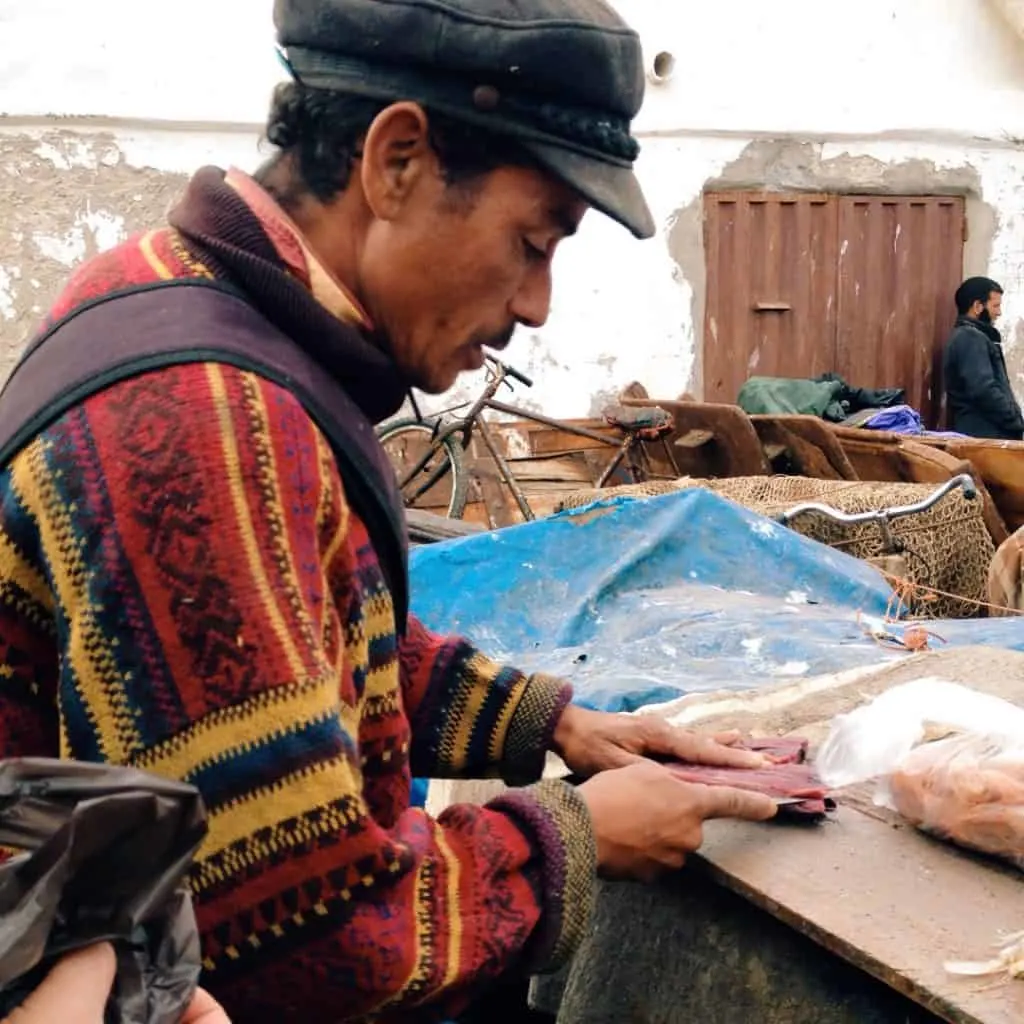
[(193, 60), (941, 80), (859, 67)]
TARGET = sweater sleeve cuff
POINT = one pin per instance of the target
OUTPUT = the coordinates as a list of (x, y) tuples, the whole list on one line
[(532, 729), (555, 814)]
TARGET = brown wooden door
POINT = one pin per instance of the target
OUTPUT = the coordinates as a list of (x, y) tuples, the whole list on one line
[(800, 285), (771, 279), (900, 261)]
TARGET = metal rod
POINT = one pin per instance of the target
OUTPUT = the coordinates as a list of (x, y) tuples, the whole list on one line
[(568, 428), (505, 471), (671, 459), (614, 464)]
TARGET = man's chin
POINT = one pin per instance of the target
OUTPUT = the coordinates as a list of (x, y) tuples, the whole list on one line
[(436, 382)]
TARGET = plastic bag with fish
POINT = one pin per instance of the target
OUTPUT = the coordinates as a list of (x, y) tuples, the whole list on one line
[(968, 789)]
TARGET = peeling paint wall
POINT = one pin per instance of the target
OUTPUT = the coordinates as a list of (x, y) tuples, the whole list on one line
[(791, 95), (66, 193), (63, 198)]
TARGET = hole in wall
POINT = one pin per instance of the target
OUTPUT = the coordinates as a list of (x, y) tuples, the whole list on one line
[(662, 67)]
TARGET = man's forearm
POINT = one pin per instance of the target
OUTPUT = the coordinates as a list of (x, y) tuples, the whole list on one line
[(533, 727), (473, 717)]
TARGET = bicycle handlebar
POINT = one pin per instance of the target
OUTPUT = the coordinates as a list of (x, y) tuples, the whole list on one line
[(511, 371), (965, 482)]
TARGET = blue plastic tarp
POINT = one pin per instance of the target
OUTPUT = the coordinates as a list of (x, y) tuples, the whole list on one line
[(638, 602)]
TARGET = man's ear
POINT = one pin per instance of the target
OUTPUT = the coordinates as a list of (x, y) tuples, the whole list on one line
[(396, 158)]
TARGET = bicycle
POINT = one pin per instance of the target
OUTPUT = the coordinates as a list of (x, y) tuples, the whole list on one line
[(446, 438), (883, 517)]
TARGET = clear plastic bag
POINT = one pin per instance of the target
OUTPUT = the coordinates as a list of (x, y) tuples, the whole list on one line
[(871, 741), (106, 855), (968, 789)]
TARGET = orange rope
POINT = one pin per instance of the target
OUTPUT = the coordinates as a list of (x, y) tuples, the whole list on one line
[(905, 587)]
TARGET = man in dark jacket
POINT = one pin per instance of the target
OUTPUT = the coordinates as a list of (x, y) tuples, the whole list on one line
[(978, 393)]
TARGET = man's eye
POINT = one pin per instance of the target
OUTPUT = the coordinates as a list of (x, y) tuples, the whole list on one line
[(533, 252)]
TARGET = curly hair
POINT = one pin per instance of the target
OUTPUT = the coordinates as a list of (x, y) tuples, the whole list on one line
[(322, 130)]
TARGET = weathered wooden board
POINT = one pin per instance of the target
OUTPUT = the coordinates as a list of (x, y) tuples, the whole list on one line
[(427, 527), (812, 449), (1001, 465), (731, 448), (886, 899)]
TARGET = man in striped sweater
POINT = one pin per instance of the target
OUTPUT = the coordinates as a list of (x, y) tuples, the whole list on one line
[(187, 585)]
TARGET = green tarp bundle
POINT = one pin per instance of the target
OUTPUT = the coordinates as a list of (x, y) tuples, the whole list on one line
[(782, 395)]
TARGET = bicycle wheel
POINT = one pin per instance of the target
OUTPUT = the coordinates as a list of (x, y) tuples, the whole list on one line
[(441, 485)]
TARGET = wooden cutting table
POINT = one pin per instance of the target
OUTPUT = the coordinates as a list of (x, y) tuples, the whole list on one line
[(846, 922), (887, 900)]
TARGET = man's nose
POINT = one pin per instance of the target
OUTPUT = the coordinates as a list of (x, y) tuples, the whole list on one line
[(531, 305)]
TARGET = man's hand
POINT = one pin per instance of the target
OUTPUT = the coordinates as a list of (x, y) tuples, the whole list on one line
[(77, 989), (646, 820), (593, 741)]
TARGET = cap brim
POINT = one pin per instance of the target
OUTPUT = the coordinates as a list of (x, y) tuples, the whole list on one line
[(612, 189)]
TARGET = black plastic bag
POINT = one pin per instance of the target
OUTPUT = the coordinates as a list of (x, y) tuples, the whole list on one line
[(106, 854)]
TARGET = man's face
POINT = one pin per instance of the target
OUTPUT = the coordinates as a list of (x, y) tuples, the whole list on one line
[(993, 308), (447, 270)]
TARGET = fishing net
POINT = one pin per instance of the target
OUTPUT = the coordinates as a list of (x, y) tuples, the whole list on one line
[(946, 549)]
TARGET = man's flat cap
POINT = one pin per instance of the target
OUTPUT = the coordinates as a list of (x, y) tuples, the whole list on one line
[(564, 77)]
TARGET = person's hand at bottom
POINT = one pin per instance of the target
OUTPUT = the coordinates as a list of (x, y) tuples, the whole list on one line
[(647, 821), (204, 1009), (74, 992), (77, 989)]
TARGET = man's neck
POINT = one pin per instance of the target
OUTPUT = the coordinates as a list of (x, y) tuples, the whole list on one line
[(329, 229), (275, 206)]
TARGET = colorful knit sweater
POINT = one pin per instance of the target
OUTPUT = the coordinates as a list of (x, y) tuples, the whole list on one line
[(184, 589)]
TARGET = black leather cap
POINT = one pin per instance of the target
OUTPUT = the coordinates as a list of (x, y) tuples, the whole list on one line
[(565, 77)]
